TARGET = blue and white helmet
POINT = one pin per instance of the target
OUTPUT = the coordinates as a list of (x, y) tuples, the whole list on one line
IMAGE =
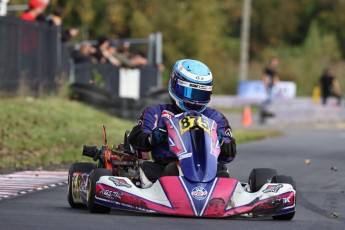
[(190, 85)]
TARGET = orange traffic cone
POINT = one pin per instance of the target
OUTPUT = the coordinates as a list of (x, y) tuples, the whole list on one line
[(247, 116)]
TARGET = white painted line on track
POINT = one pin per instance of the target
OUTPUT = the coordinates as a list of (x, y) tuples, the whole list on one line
[(28, 181)]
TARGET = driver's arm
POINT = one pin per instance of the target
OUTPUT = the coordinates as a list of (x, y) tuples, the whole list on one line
[(139, 137), (228, 149)]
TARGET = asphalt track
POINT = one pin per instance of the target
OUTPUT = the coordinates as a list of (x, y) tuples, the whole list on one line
[(321, 192)]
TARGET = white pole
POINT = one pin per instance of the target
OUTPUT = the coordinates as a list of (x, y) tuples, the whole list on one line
[(245, 32), (3, 7)]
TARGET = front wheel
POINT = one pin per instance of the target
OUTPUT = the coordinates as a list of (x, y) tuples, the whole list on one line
[(285, 180), (260, 176), (91, 191)]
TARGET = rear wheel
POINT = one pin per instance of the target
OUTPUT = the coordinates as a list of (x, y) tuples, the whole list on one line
[(260, 176), (285, 180), (91, 191), (73, 191)]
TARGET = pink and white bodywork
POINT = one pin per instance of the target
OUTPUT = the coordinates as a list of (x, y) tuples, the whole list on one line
[(221, 197)]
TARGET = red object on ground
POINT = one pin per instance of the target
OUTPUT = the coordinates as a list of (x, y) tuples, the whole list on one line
[(247, 117)]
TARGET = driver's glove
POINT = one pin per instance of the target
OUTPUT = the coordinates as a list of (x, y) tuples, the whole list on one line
[(220, 138), (158, 136)]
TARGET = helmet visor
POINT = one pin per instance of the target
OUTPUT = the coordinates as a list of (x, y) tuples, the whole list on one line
[(193, 92)]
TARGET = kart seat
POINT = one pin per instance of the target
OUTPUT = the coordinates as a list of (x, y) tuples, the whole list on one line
[(171, 170)]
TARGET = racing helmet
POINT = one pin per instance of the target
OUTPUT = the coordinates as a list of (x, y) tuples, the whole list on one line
[(190, 85)]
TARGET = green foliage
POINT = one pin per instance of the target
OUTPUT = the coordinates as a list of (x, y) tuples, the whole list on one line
[(98, 78), (243, 136)]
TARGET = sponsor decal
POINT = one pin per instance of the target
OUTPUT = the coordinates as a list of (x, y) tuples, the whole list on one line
[(167, 114), (194, 85), (120, 182), (200, 78), (272, 188), (199, 193), (286, 200), (184, 155), (201, 87), (110, 194), (217, 205), (228, 132)]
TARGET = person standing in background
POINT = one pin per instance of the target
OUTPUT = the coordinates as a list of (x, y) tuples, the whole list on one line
[(56, 19), (102, 45), (270, 79), (35, 11), (330, 86), (84, 54), (110, 53)]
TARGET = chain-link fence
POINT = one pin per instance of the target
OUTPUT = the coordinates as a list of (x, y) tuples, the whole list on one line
[(30, 56)]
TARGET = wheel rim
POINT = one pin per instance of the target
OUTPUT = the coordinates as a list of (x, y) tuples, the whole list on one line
[(88, 188)]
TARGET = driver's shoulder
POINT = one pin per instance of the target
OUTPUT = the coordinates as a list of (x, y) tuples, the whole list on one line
[(159, 109), (211, 113)]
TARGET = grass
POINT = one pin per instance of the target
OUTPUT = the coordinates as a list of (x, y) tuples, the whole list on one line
[(52, 131), (246, 135)]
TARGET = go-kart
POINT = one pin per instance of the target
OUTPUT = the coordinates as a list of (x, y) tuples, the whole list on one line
[(197, 189)]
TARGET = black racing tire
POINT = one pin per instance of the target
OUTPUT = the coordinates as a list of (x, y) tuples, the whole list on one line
[(91, 191), (260, 176), (77, 167), (285, 180)]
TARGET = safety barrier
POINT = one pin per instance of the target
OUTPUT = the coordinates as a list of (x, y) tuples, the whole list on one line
[(30, 53)]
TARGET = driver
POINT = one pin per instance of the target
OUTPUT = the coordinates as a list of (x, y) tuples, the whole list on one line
[(190, 88)]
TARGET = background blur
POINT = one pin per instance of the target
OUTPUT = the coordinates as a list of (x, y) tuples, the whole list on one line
[(306, 35)]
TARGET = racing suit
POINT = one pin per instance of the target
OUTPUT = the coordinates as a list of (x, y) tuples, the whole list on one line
[(154, 118)]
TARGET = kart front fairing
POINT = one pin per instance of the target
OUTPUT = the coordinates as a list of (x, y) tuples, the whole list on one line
[(193, 139), (220, 197)]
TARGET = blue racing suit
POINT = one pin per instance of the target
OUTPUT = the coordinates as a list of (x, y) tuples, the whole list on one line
[(155, 117)]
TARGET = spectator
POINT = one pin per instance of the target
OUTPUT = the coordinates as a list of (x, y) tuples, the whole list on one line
[(270, 79), (138, 59), (110, 53), (46, 2), (124, 49), (330, 86), (84, 54), (123, 54), (35, 11), (55, 19), (102, 46)]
